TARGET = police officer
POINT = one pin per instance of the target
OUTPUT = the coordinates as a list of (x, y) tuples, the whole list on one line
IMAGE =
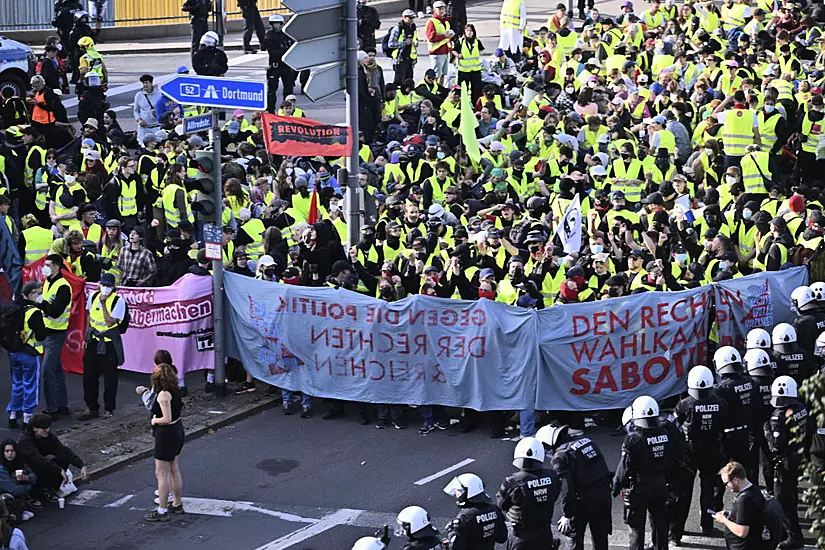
[(811, 319), (648, 455), (760, 368), (369, 543), (276, 44), (414, 524), (701, 416), (759, 338), (528, 496), (198, 20), (209, 60), (799, 363), (788, 435), (480, 523), (585, 487), (744, 406)]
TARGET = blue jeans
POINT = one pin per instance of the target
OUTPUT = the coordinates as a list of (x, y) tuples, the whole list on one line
[(432, 414), (527, 423), (287, 395), (25, 378), (54, 379)]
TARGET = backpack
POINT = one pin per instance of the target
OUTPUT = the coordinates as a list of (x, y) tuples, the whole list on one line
[(123, 325), (385, 44), (11, 326), (772, 517)]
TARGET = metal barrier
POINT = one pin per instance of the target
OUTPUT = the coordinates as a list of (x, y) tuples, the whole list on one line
[(38, 14)]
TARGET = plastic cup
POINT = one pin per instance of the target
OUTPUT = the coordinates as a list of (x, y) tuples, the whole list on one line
[(18, 474), (61, 502)]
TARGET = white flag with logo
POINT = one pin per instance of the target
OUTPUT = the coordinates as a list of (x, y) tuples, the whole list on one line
[(570, 227)]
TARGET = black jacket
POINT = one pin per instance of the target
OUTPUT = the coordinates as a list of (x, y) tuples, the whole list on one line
[(34, 451), (276, 44), (210, 62)]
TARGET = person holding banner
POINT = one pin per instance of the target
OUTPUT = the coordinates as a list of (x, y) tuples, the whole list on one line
[(56, 307)]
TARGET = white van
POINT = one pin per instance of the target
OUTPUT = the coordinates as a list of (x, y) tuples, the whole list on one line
[(16, 64)]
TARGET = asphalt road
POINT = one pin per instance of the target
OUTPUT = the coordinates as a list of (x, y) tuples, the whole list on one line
[(284, 482)]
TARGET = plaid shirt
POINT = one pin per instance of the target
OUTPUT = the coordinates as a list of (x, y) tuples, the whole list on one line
[(136, 265)]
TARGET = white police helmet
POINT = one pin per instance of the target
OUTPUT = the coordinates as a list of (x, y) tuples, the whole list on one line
[(529, 454), (467, 488), (210, 39), (783, 334), (818, 289), (783, 387), (549, 435), (368, 543), (627, 415), (645, 412), (802, 298), (276, 18), (758, 338), (726, 360), (819, 347), (412, 520), (700, 382), (758, 362)]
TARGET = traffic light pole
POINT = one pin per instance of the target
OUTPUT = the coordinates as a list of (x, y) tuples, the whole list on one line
[(219, 22), (353, 204), (217, 265)]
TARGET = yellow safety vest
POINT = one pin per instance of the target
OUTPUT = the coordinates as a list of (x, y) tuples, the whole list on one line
[(171, 210), (812, 130), (28, 333), (440, 27), (413, 50), (767, 129), (49, 292), (127, 202), (784, 89), (510, 14), (506, 293), (29, 172), (60, 210), (96, 319), (621, 170), (754, 166), (737, 132), (38, 242), (254, 228), (470, 57), (733, 17), (667, 140)]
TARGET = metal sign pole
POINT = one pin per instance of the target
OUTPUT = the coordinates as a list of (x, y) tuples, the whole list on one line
[(217, 267), (353, 204), (219, 23)]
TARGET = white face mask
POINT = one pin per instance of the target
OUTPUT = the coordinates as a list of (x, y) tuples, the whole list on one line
[(570, 89), (730, 180), (39, 299), (46, 271), (708, 152), (105, 290), (596, 248), (70, 178)]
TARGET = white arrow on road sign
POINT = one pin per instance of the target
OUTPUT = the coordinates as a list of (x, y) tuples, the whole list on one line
[(325, 82), (298, 6), (314, 53), (307, 25)]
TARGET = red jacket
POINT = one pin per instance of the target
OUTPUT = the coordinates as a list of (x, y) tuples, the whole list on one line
[(432, 37)]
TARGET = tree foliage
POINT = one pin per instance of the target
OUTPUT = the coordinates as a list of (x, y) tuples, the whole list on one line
[(812, 392)]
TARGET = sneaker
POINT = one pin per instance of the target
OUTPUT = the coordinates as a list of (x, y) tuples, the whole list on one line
[(399, 425), (176, 509), (108, 414), (27, 515), (50, 496), (441, 426), (246, 387), (34, 503), (27, 418), (64, 411), (306, 412), (287, 406), (88, 414), (12, 421), (426, 428), (209, 387), (382, 423), (790, 544), (154, 516), (250, 51)]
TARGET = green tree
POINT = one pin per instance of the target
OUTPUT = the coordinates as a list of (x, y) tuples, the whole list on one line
[(812, 392)]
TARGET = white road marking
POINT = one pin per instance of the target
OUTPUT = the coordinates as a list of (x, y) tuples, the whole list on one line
[(120, 108), (445, 471), (120, 502), (81, 498), (341, 517), (249, 507)]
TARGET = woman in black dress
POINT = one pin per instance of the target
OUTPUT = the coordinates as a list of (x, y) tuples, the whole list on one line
[(169, 438)]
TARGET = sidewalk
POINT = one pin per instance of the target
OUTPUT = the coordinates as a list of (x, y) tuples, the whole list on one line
[(107, 445), (182, 44)]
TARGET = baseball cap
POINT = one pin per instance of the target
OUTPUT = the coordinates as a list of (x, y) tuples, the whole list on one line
[(291, 98), (497, 146), (499, 52), (628, 5), (408, 13), (654, 198), (92, 123), (617, 196), (486, 273), (237, 113), (439, 4)]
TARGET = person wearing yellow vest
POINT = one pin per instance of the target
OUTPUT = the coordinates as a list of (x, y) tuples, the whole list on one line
[(91, 62), (102, 348), (25, 362), (740, 127), (56, 308), (808, 167), (512, 22), (175, 203), (439, 40), (774, 250), (35, 239), (403, 45), (468, 55), (652, 18), (125, 193), (756, 173), (35, 157), (66, 198), (250, 234)]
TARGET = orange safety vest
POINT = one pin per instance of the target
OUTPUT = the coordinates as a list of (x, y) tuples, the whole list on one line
[(39, 114)]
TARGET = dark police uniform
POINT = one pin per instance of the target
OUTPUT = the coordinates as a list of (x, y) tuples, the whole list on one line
[(479, 526), (788, 434), (432, 542), (527, 498), (800, 364), (585, 491), (702, 422), (744, 401), (759, 447), (809, 325), (276, 44), (648, 456)]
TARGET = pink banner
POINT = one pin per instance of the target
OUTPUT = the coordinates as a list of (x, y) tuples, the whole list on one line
[(176, 318)]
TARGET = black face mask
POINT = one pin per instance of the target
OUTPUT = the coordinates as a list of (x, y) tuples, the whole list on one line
[(367, 238), (625, 156), (613, 292), (386, 292)]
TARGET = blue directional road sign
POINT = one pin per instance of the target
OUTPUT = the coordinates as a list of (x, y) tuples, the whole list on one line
[(195, 124), (223, 93)]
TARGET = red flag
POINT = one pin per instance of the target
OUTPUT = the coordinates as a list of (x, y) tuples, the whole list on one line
[(313, 208), (304, 137)]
